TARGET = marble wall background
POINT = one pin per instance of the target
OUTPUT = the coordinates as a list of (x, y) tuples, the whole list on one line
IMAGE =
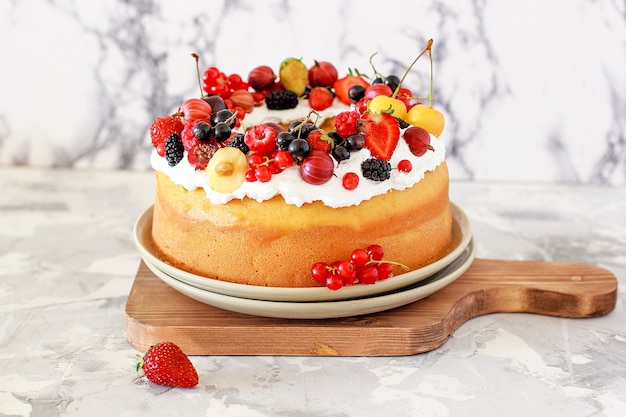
[(532, 90)]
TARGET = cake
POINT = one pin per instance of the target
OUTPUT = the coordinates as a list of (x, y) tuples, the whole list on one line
[(314, 182)]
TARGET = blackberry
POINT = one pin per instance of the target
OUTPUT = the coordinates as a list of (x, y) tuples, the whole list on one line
[(238, 142), (402, 123), (281, 100), (376, 169), (174, 149)]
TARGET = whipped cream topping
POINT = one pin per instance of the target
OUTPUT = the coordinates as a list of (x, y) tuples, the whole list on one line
[(293, 189)]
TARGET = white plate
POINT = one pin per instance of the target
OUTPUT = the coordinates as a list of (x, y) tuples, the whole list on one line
[(461, 236), (327, 309)]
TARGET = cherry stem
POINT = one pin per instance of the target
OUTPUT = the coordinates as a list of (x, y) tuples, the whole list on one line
[(429, 44), (430, 56), (197, 58), (376, 73)]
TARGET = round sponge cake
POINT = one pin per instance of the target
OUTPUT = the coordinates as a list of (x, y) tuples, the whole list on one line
[(272, 243)]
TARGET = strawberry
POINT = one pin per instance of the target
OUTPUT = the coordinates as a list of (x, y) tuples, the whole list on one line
[(320, 98), (342, 85), (381, 132), (346, 123), (162, 128), (166, 364), (319, 140)]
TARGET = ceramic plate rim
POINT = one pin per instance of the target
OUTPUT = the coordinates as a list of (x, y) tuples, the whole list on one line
[(320, 309), (143, 243)]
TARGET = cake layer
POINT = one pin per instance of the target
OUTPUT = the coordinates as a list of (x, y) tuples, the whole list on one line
[(275, 244)]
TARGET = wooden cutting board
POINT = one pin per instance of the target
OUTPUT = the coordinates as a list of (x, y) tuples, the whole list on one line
[(155, 312)]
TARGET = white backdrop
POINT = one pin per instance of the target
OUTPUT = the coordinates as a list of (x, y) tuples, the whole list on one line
[(532, 91)]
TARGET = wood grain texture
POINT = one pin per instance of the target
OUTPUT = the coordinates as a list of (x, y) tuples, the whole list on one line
[(156, 312)]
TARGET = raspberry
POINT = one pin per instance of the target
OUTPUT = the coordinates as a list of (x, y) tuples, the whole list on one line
[(174, 149), (376, 169), (346, 123), (281, 100), (162, 127)]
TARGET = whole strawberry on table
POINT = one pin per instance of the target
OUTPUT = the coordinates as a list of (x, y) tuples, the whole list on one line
[(166, 364)]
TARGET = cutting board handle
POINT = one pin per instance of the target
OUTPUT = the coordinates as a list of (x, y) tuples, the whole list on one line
[(561, 289)]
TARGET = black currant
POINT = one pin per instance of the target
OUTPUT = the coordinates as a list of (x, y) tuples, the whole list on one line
[(225, 115), (299, 148), (222, 131), (203, 131), (283, 139), (392, 81), (340, 153), (356, 92), (355, 142)]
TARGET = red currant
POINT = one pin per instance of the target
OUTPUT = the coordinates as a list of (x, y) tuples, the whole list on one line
[(368, 275), (376, 252), (283, 159), (334, 282), (263, 173), (385, 270), (320, 272), (350, 180), (359, 257), (256, 159), (251, 175), (405, 166), (346, 269)]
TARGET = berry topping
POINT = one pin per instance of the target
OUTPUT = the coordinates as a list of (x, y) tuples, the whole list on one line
[(381, 132), (200, 154), (261, 139), (174, 149), (238, 141), (418, 140), (350, 181), (342, 86), (262, 78), (346, 123), (322, 74), (320, 98), (281, 100), (163, 127), (294, 75), (376, 169), (405, 166), (166, 364), (320, 140), (317, 167)]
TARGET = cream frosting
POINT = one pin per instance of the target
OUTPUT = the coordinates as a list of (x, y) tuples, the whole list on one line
[(293, 188)]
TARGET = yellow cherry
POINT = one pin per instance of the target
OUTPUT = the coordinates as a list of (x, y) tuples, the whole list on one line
[(226, 170), (384, 104), (427, 118)]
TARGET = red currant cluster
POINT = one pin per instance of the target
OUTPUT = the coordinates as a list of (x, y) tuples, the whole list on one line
[(216, 82), (365, 266), (264, 158), (262, 167)]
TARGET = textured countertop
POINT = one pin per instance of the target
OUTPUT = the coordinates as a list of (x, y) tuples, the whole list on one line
[(67, 263)]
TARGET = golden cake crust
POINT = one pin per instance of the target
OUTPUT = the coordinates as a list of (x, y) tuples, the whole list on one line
[(275, 244)]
